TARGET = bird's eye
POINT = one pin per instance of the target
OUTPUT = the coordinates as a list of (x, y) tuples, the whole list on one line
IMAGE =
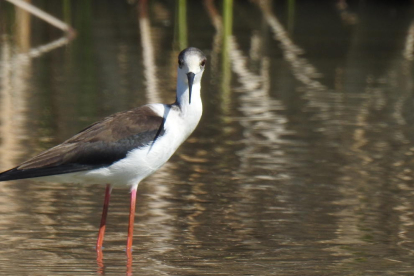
[(180, 63), (203, 62)]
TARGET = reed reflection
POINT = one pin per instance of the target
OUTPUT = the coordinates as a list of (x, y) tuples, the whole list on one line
[(347, 16), (301, 68), (151, 75)]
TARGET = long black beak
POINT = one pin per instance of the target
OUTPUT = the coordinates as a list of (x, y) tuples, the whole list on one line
[(190, 77)]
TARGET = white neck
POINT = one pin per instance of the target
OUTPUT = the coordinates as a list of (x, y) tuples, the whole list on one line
[(183, 101)]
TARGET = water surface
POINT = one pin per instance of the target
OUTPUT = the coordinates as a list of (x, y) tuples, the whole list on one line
[(301, 165)]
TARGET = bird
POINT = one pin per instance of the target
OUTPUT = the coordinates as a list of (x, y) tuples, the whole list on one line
[(126, 147)]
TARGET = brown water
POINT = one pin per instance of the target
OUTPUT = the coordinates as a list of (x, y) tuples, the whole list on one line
[(302, 163)]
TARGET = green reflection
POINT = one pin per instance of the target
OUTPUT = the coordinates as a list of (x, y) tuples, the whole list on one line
[(67, 11), (226, 67), (7, 15), (291, 15), (182, 23)]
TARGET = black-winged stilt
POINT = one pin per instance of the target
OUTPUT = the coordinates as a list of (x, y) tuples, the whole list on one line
[(123, 149)]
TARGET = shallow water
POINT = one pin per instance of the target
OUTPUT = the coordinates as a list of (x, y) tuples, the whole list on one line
[(301, 165)]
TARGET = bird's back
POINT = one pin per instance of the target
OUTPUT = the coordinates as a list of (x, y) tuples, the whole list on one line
[(99, 145)]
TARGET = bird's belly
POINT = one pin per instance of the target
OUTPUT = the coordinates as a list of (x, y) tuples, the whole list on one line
[(137, 165), (129, 171)]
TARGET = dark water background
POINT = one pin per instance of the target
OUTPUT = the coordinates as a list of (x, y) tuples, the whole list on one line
[(301, 165)]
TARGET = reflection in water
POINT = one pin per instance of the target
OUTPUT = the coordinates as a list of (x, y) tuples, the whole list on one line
[(13, 103), (261, 157), (14, 76), (406, 207), (301, 68), (152, 90), (409, 43), (226, 51), (25, 5), (347, 16), (288, 173), (217, 39), (23, 30), (182, 24)]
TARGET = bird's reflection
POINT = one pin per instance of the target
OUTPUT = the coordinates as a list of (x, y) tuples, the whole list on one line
[(129, 263), (100, 263), (101, 268)]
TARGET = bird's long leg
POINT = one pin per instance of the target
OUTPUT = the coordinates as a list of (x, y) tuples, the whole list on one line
[(103, 218), (131, 219)]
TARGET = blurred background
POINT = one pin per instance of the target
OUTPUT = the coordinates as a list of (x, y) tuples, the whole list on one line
[(301, 165)]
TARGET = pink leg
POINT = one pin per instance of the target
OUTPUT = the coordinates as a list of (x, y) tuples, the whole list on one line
[(131, 220), (103, 219)]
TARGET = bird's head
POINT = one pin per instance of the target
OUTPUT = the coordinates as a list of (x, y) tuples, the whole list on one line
[(191, 63)]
